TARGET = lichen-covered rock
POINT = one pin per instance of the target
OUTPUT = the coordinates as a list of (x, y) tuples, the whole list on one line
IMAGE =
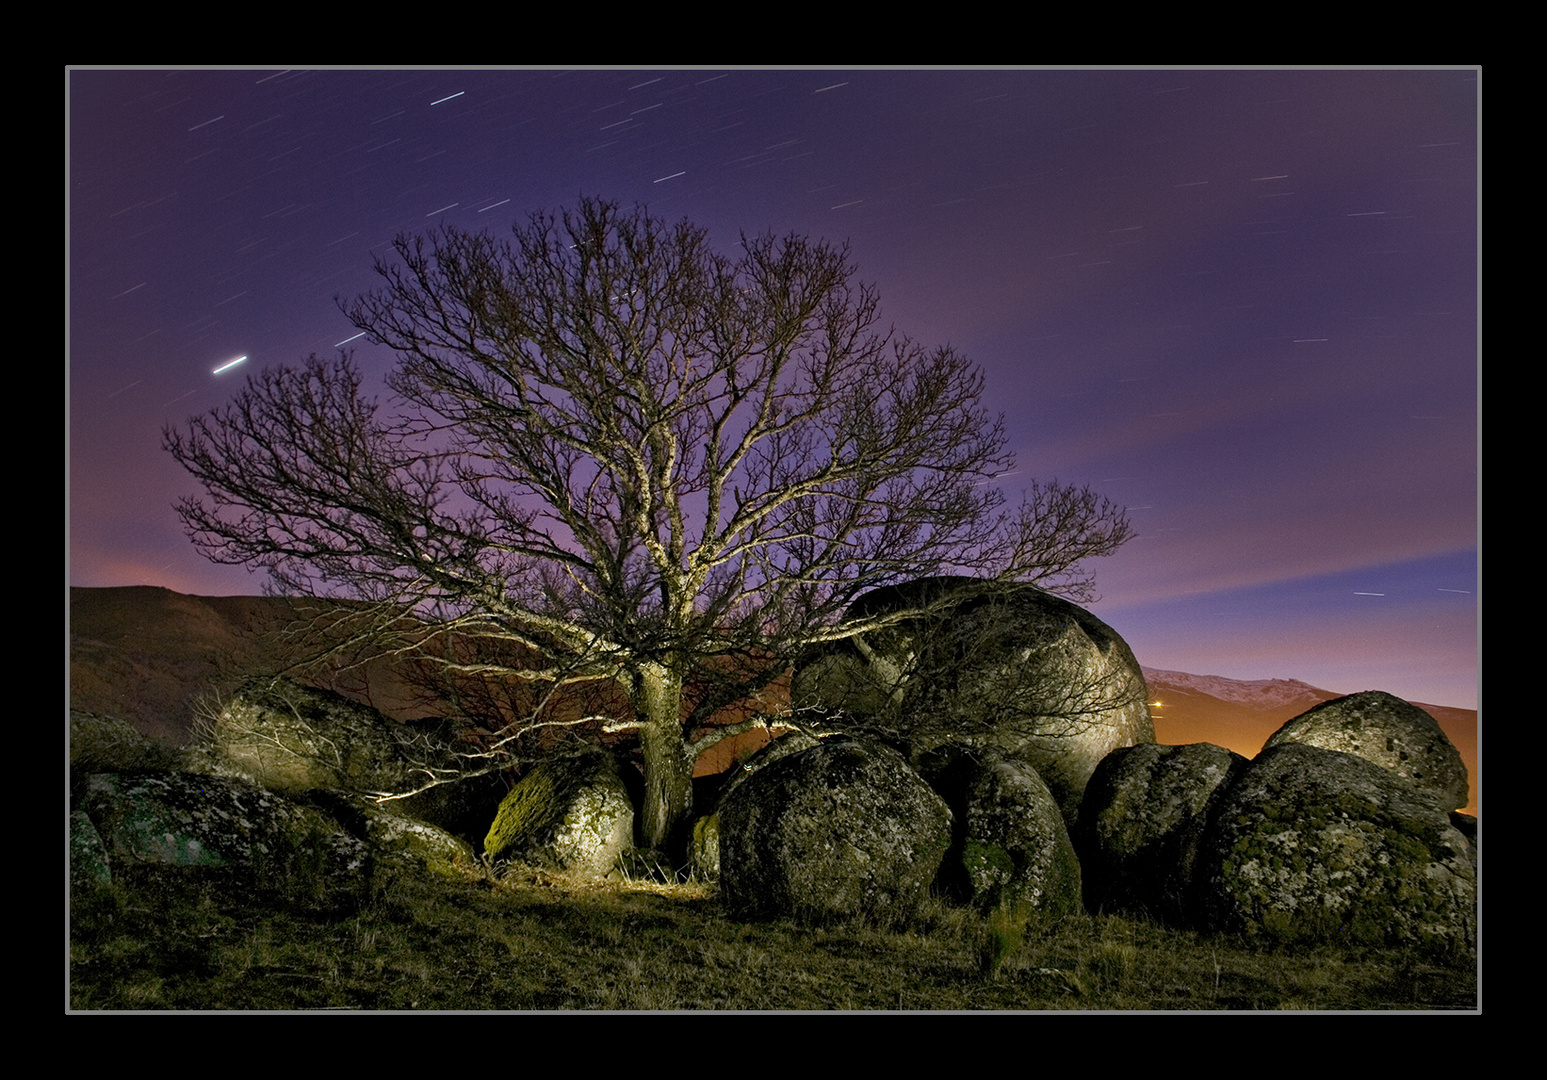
[(184, 819), (1383, 728), (1018, 668), (89, 868), (1320, 846), (1143, 817), (704, 848), (293, 738), (392, 836), (568, 814), (1011, 844), (844, 829)]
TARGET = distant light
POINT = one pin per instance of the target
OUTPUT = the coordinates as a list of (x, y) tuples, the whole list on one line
[(1358, 593), (230, 364)]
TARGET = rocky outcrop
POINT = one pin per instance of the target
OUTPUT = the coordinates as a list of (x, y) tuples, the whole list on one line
[(318, 849), (571, 814), (1010, 843), (845, 829), (290, 737), (1383, 728), (1322, 846), (1016, 667), (182, 819), (1141, 824)]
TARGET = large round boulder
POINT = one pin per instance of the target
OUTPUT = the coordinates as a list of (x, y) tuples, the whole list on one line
[(1321, 846), (1008, 665), (1011, 845), (842, 830), (1143, 817), (1395, 735), (704, 840)]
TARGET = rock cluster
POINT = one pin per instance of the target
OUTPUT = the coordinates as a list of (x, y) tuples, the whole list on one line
[(999, 753), (291, 796), (1301, 844)]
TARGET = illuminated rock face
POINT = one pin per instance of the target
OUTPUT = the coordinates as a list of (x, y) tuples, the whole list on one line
[(570, 814), (840, 830), (1020, 669), (1383, 728), (292, 738), (1322, 846)]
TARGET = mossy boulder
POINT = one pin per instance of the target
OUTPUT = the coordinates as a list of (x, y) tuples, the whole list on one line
[(1010, 844), (1141, 822), (570, 814), (704, 848), (1394, 734), (1313, 845), (293, 738), (184, 819), (1014, 667), (845, 829)]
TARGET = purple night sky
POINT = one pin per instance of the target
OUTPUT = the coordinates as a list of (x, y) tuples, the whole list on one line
[(1242, 303)]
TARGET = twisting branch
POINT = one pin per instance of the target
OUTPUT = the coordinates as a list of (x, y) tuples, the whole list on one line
[(618, 461)]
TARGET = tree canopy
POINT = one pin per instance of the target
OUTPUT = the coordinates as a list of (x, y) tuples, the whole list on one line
[(631, 459)]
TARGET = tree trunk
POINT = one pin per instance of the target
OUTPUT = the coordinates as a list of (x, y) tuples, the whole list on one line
[(668, 766)]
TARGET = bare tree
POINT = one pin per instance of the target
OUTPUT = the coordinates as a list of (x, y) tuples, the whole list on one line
[(615, 457)]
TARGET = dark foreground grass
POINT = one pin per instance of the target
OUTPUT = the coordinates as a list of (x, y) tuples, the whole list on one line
[(175, 938)]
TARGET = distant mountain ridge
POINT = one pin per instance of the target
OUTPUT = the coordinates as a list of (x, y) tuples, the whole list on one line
[(1241, 714), (1252, 693)]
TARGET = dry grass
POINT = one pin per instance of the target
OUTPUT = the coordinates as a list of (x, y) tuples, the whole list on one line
[(179, 939)]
